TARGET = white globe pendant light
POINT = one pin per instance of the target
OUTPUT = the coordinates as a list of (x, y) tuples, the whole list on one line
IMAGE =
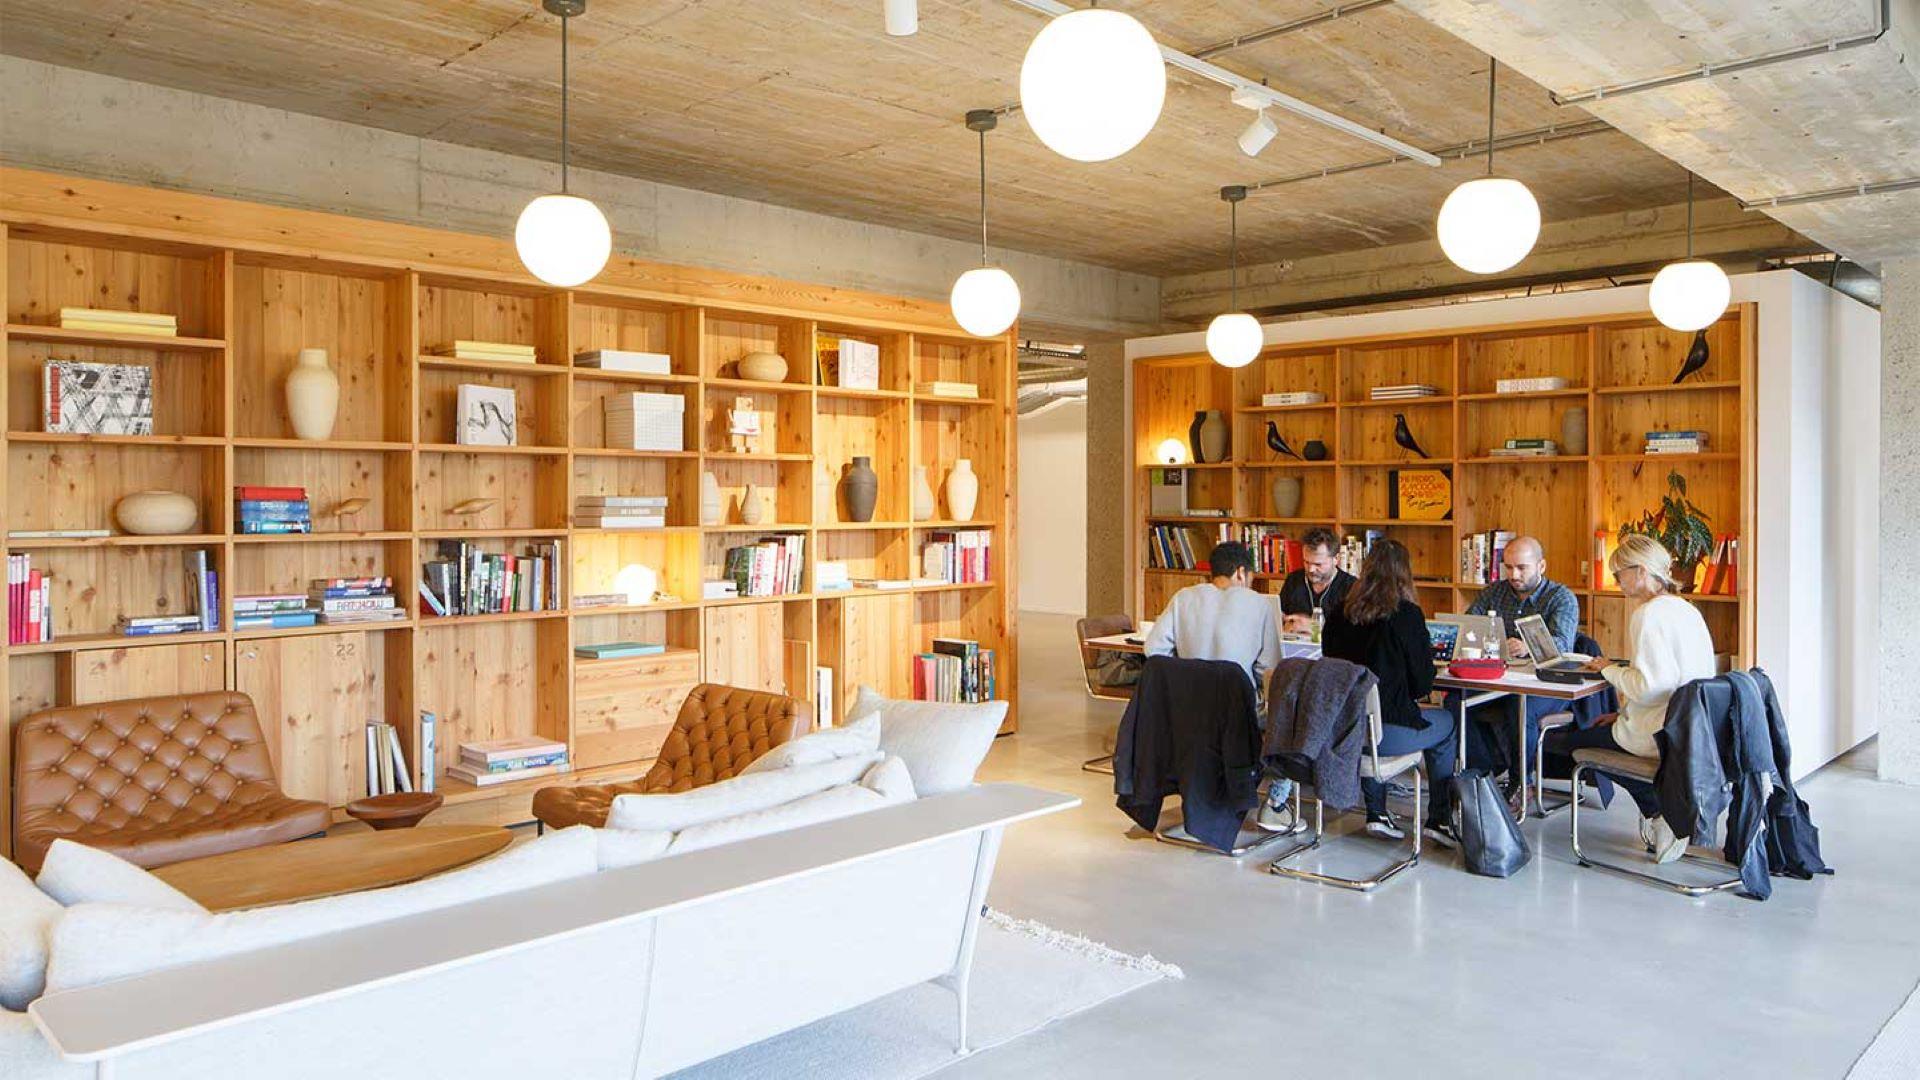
[(563, 239), (1489, 224), (1092, 84), (1234, 338), (985, 299), (1691, 294)]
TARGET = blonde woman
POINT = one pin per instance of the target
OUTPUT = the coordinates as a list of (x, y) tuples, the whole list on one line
[(1671, 647)]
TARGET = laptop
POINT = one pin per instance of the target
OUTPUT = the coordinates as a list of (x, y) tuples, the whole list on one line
[(1549, 663), (1445, 637), (1483, 632)]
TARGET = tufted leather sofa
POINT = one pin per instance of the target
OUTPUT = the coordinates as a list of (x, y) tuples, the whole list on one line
[(719, 730), (154, 780)]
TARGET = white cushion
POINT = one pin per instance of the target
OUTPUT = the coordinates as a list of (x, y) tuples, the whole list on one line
[(839, 802), (943, 743), (827, 744), (97, 943), (25, 1054), (78, 874), (743, 794), (891, 780), (27, 916), (630, 847)]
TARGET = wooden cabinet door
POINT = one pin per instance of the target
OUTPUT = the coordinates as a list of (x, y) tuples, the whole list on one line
[(314, 696), (623, 709), (91, 675)]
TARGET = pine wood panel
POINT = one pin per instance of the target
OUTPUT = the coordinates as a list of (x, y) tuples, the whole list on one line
[(1295, 428), (1487, 360), (290, 567), (609, 323), (540, 404), (278, 312), (347, 490), (1310, 372), (848, 625), (1547, 502), (527, 492), (76, 485), (44, 276), (784, 488), (786, 420), (93, 587), (90, 675), (743, 646), (1648, 354), (1166, 396), (587, 411), (896, 354), (846, 428), (624, 708), (869, 553), (1365, 367), (492, 681), (450, 312), (1623, 420), (314, 697), (1319, 490), (1367, 434), (727, 338), (674, 558), (1486, 425)]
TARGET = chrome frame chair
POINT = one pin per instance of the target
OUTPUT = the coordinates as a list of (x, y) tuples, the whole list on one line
[(1372, 767), (1621, 763), (1104, 763)]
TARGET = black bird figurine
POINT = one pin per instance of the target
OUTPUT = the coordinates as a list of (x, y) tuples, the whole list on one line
[(1404, 436), (1696, 356), (1276, 443)]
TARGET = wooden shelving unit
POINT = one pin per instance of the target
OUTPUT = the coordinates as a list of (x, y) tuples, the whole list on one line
[(1619, 369), (385, 486)]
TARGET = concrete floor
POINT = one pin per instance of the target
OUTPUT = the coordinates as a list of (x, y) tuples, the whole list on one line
[(1558, 971)]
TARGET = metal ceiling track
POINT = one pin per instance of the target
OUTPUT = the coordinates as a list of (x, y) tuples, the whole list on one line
[(1882, 20), (1470, 148), (1318, 18), (1248, 88), (1851, 191)]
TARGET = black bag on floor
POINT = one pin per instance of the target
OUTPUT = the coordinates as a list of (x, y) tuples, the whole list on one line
[(1490, 842)]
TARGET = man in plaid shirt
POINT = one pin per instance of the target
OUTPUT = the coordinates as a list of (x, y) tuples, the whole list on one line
[(1523, 589)]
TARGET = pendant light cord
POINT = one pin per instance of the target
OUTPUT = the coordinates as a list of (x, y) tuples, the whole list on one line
[(983, 198), (1689, 213), (1233, 256), (1492, 66), (563, 103)]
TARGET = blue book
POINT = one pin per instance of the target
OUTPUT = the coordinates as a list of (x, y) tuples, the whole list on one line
[(274, 527), (288, 507), (616, 649), (277, 620), (1688, 434)]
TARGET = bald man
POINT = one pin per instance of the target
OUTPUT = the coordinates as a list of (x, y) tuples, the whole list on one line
[(1523, 589)]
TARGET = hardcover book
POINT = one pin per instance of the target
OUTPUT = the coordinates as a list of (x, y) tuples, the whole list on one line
[(96, 399), (487, 416)]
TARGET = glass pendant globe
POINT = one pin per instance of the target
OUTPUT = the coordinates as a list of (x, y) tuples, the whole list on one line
[(985, 301), (1489, 224), (563, 239), (1092, 84), (1234, 339), (1690, 295)]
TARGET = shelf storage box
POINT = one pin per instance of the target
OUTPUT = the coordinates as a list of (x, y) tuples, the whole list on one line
[(638, 420)]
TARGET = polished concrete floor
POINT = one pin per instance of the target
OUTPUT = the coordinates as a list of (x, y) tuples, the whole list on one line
[(1558, 971)]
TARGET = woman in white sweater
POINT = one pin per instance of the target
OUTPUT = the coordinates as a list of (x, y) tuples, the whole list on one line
[(1671, 647)]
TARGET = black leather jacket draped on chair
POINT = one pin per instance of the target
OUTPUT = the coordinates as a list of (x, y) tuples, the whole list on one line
[(1190, 729)]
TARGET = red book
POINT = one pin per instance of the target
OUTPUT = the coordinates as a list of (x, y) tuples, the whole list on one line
[(269, 494), (33, 607)]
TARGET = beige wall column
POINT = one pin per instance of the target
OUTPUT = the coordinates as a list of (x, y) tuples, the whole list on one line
[(1107, 478), (1899, 578)]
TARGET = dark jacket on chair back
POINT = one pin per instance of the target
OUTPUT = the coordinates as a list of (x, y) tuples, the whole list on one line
[(1190, 729), (1317, 726), (1396, 649)]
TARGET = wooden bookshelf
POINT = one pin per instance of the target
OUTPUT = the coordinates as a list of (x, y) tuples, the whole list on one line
[(251, 285), (1619, 369)]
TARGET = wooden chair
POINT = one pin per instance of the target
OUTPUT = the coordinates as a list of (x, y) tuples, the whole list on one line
[(1093, 627)]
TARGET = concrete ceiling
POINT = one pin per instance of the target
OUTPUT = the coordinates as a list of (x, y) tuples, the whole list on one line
[(810, 105)]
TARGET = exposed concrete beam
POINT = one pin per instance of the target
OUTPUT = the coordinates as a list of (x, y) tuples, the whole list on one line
[(1607, 243)]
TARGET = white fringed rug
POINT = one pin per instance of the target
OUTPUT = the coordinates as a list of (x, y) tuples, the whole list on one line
[(1894, 1054), (1025, 976)]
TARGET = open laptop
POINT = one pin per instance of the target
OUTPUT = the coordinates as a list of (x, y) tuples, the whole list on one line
[(1549, 663), (1483, 632), (1445, 637)]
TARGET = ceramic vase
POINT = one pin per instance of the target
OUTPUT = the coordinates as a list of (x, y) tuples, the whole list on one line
[(922, 495), (1573, 431), (1213, 436), (1315, 450), (1194, 453), (753, 506), (963, 490), (1286, 496), (313, 395), (712, 507), (763, 367), (157, 513), (861, 489)]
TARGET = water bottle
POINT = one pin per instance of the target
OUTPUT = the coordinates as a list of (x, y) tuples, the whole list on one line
[(1319, 621)]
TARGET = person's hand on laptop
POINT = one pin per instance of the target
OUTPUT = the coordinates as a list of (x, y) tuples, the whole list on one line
[(1296, 624), (1599, 663), (1516, 649)]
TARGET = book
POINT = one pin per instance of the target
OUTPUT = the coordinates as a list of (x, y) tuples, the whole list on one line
[(277, 620), (274, 528), (382, 758), (1533, 385), (204, 589), (429, 750), (331, 605), (946, 389), (484, 779), (324, 584), (96, 399), (642, 363), (619, 521), (371, 741), (401, 774), (1419, 494), (859, 364), (882, 583), (486, 350), (823, 696), (1292, 397), (250, 492), (350, 617), (118, 328), (639, 501), (58, 534), (490, 751), (719, 590), (486, 416), (273, 507), (117, 317), (613, 650)]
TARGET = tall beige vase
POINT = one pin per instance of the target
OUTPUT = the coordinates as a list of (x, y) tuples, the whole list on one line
[(313, 395), (963, 490), (923, 505)]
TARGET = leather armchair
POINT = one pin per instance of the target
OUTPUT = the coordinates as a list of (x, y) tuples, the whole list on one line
[(718, 731), (153, 780)]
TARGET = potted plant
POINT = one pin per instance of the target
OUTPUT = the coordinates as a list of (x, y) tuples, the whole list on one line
[(1680, 526)]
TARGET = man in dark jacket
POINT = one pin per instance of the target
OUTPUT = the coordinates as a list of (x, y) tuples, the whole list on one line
[(1190, 729)]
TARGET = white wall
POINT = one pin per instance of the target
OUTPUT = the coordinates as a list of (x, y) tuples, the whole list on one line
[(1815, 535), (1053, 510)]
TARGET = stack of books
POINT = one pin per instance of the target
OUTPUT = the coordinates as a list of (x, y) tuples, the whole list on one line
[(1481, 554), (1403, 392), (882, 583), (639, 363), (467, 581), (387, 770), (618, 650), (273, 611), (355, 600), (260, 510), (958, 557), (504, 351), (154, 625), (1723, 567), (1292, 397), (620, 512), (640, 421), (831, 577), (770, 566), (848, 362), (938, 388), (29, 602), (1539, 384), (1516, 448), (119, 322), (501, 761), (955, 670), (1690, 441)]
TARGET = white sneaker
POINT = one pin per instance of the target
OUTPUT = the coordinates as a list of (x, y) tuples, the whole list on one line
[(1278, 819), (1659, 837)]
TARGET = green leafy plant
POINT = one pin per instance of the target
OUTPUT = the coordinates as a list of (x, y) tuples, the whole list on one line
[(1679, 525)]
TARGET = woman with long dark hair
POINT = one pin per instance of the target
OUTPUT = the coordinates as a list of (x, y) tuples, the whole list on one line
[(1381, 628)]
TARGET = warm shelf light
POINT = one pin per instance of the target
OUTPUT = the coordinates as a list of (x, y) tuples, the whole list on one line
[(1489, 224), (1170, 452), (563, 239), (1092, 84), (1690, 295)]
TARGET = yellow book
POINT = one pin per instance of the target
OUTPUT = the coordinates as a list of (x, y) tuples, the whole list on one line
[(498, 349), (118, 328), (141, 318)]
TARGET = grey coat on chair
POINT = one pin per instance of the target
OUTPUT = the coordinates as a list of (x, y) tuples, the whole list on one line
[(1317, 726)]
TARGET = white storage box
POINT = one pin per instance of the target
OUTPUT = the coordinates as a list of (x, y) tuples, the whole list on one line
[(642, 421)]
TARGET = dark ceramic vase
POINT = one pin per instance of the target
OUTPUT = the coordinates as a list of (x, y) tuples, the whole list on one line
[(1314, 450), (1193, 438), (861, 488)]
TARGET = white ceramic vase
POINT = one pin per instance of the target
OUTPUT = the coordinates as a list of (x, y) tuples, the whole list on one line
[(763, 367), (713, 507), (753, 506), (963, 490), (922, 495), (313, 395), (157, 513)]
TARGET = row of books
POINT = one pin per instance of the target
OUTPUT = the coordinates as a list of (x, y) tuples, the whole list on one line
[(1520, 448), (958, 557), (29, 602), (119, 322), (770, 566), (467, 581), (1723, 567), (463, 349), (620, 512), (203, 597), (638, 363), (1481, 554), (1353, 549), (1274, 552), (1403, 391), (1689, 441), (1177, 547), (387, 770), (954, 670), (502, 761), (265, 510), (847, 362)]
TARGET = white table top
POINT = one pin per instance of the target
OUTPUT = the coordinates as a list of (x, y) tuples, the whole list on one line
[(1291, 645), (1521, 680)]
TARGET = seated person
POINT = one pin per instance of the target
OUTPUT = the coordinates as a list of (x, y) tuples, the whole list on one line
[(1523, 589), (1224, 619), (1380, 627), (1671, 647), (1319, 583)]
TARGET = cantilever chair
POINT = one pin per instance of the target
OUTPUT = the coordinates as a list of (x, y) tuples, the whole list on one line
[(1633, 767), (1586, 645), (1100, 626), (1372, 767)]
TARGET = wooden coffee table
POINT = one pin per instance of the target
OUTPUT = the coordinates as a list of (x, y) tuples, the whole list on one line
[(305, 869)]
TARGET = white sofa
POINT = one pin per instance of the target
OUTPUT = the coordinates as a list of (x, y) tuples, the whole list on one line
[(628, 972)]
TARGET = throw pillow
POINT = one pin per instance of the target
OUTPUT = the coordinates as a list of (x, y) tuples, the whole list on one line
[(843, 801), (630, 847), (27, 916), (743, 794), (891, 780), (827, 744), (943, 744), (78, 874)]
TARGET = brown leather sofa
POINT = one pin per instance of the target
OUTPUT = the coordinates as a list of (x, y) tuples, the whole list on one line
[(153, 780), (718, 731)]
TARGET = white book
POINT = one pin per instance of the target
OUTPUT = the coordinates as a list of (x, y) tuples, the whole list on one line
[(486, 416), (823, 696), (642, 363), (373, 759), (400, 778), (1293, 397), (429, 750), (1533, 385)]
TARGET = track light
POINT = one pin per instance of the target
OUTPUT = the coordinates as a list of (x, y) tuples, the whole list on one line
[(1258, 134), (903, 17)]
